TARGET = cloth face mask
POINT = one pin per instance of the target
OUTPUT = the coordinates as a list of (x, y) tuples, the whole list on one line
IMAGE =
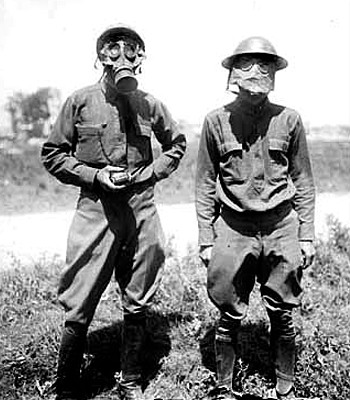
[(253, 74)]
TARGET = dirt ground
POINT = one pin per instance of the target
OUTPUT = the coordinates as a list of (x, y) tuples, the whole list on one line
[(25, 239)]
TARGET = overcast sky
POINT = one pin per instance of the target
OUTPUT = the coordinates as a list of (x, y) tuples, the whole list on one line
[(52, 43)]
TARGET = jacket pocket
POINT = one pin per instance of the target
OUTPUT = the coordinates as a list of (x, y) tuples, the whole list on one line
[(113, 143), (88, 148), (277, 160), (139, 146), (234, 162), (145, 130), (143, 127)]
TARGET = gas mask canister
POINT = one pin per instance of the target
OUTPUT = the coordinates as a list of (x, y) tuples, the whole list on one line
[(121, 58), (254, 74)]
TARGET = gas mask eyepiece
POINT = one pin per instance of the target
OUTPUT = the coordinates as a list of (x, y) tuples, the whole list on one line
[(247, 63), (122, 58)]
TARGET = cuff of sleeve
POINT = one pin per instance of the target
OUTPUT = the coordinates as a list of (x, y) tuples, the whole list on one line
[(206, 237), (163, 167), (88, 175), (306, 233)]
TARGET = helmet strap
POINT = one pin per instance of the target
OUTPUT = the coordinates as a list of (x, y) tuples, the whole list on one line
[(228, 84)]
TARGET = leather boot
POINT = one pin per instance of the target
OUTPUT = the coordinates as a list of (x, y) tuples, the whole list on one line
[(69, 362), (133, 339)]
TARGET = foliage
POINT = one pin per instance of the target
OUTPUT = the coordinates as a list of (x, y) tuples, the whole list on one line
[(324, 337), (179, 355), (27, 187), (29, 327), (30, 110)]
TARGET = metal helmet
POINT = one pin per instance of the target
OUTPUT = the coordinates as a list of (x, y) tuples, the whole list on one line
[(118, 31), (255, 45)]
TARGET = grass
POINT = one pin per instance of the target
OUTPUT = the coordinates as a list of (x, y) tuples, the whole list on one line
[(26, 187), (179, 356), (331, 163)]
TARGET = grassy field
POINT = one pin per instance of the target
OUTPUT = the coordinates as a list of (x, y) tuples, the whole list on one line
[(179, 356), (179, 360), (26, 187)]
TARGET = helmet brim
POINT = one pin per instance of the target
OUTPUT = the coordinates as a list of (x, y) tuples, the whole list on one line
[(117, 31), (279, 61)]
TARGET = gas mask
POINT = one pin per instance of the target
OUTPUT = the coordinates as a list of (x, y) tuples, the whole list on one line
[(253, 73), (121, 58)]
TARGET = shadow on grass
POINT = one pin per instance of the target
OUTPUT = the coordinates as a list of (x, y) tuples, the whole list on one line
[(103, 353), (253, 353)]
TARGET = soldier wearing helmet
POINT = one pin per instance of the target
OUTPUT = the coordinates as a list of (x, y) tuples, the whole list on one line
[(121, 51), (101, 142), (255, 201)]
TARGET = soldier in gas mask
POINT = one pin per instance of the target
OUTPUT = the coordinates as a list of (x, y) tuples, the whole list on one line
[(121, 51), (101, 142), (255, 201)]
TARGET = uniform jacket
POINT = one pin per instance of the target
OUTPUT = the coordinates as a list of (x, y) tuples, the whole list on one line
[(97, 127), (253, 159)]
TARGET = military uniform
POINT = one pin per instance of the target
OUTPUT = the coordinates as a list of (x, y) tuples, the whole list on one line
[(120, 231), (255, 164), (255, 204), (116, 228)]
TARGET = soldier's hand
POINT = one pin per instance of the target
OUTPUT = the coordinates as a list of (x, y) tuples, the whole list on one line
[(104, 176), (205, 254), (308, 252)]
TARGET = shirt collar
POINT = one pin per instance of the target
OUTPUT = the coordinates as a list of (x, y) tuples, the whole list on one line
[(253, 110)]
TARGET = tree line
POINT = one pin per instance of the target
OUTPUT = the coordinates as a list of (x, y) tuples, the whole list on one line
[(32, 114)]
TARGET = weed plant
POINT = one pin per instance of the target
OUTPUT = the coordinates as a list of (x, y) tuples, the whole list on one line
[(178, 361)]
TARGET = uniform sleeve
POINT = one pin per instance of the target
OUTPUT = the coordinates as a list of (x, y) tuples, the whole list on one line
[(172, 141), (301, 174), (207, 171), (57, 152)]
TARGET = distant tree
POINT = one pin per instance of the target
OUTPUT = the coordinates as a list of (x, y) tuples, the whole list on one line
[(33, 113), (14, 108)]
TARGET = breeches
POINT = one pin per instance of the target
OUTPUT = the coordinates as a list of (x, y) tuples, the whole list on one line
[(112, 233), (250, 247)]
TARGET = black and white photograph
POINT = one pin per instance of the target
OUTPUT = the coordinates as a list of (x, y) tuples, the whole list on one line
[(175, 200)]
